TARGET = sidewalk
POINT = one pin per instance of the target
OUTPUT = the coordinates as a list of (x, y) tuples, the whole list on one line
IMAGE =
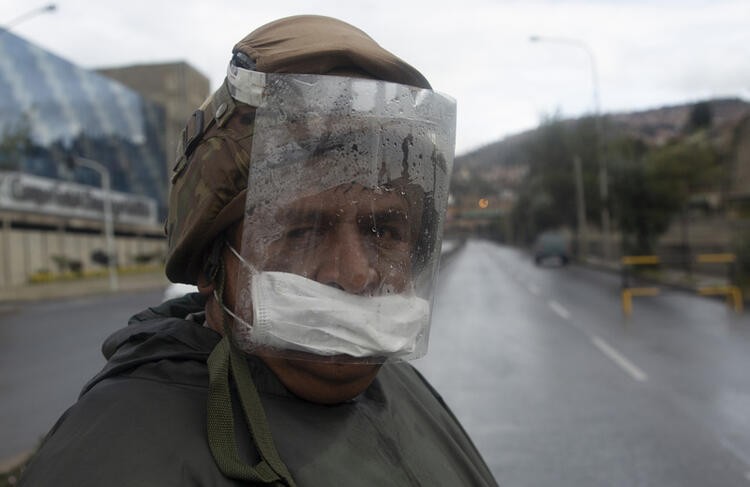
[(80, 287), (666, 276)]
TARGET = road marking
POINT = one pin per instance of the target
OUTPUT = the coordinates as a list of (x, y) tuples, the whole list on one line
[(559, 309), (533, 289), (619, 359), (747, 475)]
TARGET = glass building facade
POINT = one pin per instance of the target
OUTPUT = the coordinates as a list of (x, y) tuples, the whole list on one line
[(51, 110)]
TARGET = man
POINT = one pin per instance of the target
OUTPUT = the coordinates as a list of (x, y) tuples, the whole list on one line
[(307, 204)]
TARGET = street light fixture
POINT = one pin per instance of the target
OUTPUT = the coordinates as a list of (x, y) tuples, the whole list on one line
[(31, 13), (603, 176), (109, 232)]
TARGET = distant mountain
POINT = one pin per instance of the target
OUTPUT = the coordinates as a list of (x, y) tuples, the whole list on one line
[(654, 126), (495, 153), (659, 125)]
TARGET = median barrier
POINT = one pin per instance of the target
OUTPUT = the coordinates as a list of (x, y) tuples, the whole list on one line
[(629, 290), (634, 282), (728, 289)]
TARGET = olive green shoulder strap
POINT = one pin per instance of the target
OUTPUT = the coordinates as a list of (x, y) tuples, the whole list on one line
[(225, 359)]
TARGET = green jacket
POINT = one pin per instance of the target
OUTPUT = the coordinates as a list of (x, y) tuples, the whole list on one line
[(142, 422)]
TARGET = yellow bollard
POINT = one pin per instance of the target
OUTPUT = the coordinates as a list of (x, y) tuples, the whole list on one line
[(628, 293), (737, 299), (716, 258), (640, 260), (627, 302), (733, 294)]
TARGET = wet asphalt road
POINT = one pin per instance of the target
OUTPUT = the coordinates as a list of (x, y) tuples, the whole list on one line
[(48, 351), (555, 387), (558, 389)]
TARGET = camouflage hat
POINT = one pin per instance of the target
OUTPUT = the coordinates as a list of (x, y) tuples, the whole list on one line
[(209, 180)]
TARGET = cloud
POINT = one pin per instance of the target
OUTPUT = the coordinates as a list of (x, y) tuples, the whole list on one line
[(648, 53)]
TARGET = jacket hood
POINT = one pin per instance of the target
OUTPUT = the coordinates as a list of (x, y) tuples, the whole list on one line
[(158, 333)]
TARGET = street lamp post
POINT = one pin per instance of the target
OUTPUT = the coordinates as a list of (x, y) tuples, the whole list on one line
[(603, 176), (31, 13), (108, 217)]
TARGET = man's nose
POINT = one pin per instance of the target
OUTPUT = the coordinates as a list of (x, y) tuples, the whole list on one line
[(348, 263)]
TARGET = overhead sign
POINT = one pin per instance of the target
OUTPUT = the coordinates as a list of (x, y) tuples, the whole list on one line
[(23, 192)]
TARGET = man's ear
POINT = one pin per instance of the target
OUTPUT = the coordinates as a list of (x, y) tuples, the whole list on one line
[(212, 263), (205, 285)]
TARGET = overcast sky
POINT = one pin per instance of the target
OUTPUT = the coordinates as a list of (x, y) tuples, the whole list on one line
[(647, 53)]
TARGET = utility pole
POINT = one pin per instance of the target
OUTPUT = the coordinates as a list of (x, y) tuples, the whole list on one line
[(108, 217), (601, 159), (583, 240)]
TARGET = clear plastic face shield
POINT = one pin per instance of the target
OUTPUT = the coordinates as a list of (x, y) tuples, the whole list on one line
[(341, 236)]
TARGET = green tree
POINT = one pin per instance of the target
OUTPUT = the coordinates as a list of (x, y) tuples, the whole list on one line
[(651, 186), (548, 194), (549, 180), (701, 117)]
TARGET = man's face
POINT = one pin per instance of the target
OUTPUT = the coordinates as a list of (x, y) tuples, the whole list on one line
[(350, 237)]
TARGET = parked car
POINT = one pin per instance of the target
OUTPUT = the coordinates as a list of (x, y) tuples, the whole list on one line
[(552, 246)]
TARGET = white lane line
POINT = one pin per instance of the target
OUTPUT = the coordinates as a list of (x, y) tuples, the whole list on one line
[(533, 289), (559, 309), (620, 359)]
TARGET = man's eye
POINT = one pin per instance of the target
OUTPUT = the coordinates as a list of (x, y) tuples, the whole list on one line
[(389, 232), (302, 232)]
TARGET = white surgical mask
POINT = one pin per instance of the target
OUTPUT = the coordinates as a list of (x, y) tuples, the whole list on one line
[(291, 312)]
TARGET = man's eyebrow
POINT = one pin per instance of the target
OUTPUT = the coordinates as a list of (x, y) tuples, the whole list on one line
[(303, 215), (309, 215), (388, 215)]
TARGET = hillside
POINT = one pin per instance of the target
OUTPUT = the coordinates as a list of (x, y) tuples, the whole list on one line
[(683, 163), (654, 126)]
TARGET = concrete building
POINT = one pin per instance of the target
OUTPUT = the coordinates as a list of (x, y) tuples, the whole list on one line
[(178, 87), (51, 217)]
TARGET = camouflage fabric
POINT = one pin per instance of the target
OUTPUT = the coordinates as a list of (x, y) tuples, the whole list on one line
[(314, 44), (210, 176), (208, 189)]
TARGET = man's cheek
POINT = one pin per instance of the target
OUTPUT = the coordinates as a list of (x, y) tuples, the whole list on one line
[(395, 274)]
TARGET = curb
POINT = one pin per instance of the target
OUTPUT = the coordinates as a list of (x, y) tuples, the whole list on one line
[(9, 464), (76, 289)]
